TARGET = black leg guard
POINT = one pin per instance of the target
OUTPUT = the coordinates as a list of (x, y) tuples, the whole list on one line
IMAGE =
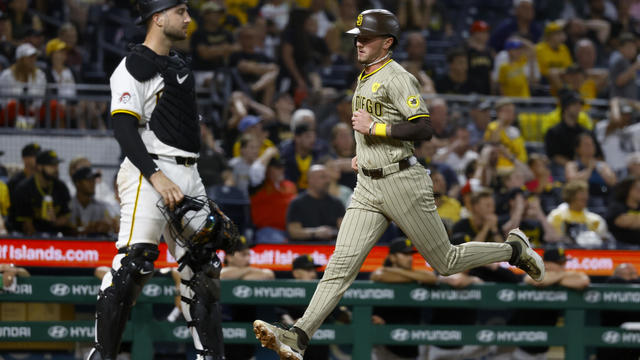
[(114, 303), (204, 310)]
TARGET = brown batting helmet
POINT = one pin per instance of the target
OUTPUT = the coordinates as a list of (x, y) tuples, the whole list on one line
[(376, 22)]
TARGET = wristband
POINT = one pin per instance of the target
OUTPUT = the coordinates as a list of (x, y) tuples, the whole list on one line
[(373, 123), (380, 129)]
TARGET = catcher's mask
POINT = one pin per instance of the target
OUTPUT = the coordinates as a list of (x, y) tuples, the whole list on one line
[(198, 221)]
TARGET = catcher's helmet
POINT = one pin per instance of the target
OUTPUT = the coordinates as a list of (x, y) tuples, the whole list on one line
[(147, 8), (197, 223), (376, 22)]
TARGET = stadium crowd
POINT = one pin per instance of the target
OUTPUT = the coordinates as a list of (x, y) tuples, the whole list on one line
[(277, 135), (275, 80)]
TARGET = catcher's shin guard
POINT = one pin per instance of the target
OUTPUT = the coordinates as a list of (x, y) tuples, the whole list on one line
[(115, 302), (200, 296)]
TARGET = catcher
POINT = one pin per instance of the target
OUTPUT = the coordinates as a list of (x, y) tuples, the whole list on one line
[(199, 228)]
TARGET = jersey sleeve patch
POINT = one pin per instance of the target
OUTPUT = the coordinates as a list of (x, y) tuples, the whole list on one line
[(413, 101)]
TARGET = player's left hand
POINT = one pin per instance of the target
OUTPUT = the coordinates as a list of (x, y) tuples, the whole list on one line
[(361, 120)]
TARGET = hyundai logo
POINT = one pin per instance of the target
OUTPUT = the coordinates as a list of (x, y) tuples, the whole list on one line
[(59, 289), (181, 332), (506, 295), (58, 332), (400, 334), (152, 290), (486, 336), (419, 294), (242, 291), (592, 296), (611, 337)]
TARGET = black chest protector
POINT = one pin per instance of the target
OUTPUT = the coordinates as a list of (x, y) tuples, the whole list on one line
[(175, 118)]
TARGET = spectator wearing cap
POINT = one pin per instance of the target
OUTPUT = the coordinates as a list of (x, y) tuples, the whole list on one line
[(456, 80), (502, 132), (516, 69), (521, 24), (574, 221), (252, 125), (300, 153), (237, 266), (104, 191), (257, 72), (560, 138), (62, 76), (574, 78), (553, 56), (624, 274), (42, 201), (623, 68), (416, 49), (29, 153), (623, 213), (89, 216), (270, 195), (211, 44), (480, 117), (20, 79), (555, 260), (315, 214), (480, 58), (398, 268)]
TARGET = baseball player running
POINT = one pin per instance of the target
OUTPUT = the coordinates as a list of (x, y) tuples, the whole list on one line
[(155, 121), (388, 115)]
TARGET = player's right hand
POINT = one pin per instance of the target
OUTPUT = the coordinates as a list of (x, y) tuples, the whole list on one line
[(354, 163), (170, 192)]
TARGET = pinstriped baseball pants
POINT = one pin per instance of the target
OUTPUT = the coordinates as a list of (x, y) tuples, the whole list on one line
[(405, 197)]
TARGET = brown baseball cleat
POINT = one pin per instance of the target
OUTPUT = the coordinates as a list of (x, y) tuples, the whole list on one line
[(275, 337), (529, 260)]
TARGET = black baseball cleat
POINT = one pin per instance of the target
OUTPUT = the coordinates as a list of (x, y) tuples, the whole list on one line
[(529, 260), (284, 342)]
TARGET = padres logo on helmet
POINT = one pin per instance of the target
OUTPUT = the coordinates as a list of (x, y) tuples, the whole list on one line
[(376, 22)]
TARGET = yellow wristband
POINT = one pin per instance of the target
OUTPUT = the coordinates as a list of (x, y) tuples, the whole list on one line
[(380, 129)]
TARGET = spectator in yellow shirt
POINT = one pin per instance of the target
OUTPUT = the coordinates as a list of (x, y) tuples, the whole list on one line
[(515, 75), (502, 131), (553, 55)]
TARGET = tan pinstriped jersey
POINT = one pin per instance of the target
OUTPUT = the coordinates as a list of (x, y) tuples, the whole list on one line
[(391, 95)]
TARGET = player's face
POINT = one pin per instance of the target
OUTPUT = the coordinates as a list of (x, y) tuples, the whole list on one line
[(371, 48), (177, 20)]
